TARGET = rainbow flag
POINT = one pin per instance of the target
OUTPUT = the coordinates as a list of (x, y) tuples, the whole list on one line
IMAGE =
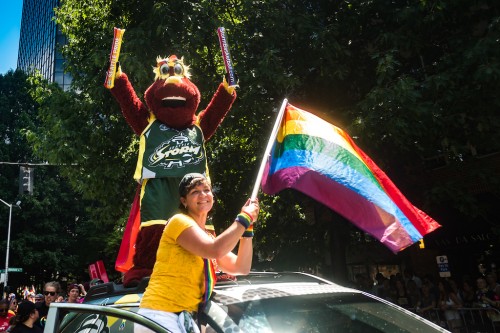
[(321, 160)]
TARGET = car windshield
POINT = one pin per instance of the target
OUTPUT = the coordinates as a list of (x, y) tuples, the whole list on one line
[(323, 313)]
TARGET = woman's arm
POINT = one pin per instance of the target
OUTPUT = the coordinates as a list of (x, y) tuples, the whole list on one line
[(196, 241), (238, 264)]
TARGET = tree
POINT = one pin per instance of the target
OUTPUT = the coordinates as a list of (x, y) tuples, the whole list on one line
[(54, 229), (409, 80)]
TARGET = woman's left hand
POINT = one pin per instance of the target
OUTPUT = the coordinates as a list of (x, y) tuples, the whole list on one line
[(251, 208)]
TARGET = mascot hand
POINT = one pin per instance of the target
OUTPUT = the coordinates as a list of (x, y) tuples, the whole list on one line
[(229, 89), (118, 70)]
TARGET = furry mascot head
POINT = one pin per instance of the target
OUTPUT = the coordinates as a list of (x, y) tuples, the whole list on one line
[(173, 98)]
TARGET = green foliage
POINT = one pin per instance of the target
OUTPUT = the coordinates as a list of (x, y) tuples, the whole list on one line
[(54, 228), (411, 81)]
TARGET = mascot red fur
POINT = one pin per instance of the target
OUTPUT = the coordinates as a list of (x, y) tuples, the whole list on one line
[(172, 139)]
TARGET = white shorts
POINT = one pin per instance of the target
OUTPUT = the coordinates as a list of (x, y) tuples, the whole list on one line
[(168, 320)]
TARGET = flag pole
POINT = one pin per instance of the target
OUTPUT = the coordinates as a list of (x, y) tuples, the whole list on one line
[(268, 149)]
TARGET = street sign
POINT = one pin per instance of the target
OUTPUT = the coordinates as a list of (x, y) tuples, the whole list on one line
[(12, 269), (444, 268)]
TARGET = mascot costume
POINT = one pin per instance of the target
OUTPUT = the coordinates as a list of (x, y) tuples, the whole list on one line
[(172, 144)]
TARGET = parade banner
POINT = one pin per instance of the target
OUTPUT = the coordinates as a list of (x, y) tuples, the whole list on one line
[(113, 57), (101, 271), (319, 159), (93, 271)]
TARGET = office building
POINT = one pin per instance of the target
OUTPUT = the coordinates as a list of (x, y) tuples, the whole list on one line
[(39, 41)]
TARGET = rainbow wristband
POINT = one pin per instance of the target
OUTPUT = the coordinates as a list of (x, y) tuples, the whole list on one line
[(249, 216), (248, 232), (244, 220)]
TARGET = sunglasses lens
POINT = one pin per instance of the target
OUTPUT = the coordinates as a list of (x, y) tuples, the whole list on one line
[(51, 293)]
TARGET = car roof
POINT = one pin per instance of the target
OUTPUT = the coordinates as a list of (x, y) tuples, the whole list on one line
[(254, 285), (264, 285), (244, 293)]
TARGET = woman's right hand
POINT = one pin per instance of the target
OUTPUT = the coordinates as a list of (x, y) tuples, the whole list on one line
[(251, 208)]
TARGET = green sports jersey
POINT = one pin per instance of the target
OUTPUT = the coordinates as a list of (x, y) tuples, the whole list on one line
[(167, 152)]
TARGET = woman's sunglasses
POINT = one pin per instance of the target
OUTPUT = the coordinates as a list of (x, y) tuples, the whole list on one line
[(51, 293)]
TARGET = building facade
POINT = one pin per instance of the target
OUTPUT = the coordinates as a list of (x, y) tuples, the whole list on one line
[(39, 42)]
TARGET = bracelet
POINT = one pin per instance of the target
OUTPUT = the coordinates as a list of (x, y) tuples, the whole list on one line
[(247, 215), (244, 220), (248, 232)]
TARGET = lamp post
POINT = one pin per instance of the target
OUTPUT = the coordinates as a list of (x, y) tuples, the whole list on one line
[(8, 241)]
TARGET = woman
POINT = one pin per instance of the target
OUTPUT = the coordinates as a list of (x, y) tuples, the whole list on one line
[(449, 304), (13, 305), (179, 282), (467, 293), (413, 293), (73, 293), (402, 298), (482, 293), (25, 319), (4, 315), (427, 303)]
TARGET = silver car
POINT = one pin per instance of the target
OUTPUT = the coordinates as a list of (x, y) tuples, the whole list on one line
[(260, 302)]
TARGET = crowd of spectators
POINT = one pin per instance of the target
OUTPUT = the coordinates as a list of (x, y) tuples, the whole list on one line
[(27, 312), (439, 300)]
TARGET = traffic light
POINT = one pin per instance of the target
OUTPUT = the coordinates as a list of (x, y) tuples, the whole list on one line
[(26, 177)]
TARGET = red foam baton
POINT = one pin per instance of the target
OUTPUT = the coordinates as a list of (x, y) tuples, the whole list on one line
[(113, 58), (221, 32)]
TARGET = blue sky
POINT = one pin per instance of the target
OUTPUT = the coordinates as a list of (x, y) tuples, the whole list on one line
[(10, 26)]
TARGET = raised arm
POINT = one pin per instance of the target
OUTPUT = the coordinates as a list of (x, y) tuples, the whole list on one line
[(210, 118), (196, 241), (135, 112)]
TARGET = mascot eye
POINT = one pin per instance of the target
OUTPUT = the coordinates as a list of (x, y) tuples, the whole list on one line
[(164, 69), (178, 69)]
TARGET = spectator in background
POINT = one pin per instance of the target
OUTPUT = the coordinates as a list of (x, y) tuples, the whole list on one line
[(456, 290), (39, 298), (493, 285), (13, 306), (379, 285), (413, 293), (392, 296), (31, 297), (449, 303), (429, 279), (427, 303), (401, 294), (51, 291), (482, 293), (410, 275), (467, 293), (74, 292), (24, 321), (4, 315), (386, 291)]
